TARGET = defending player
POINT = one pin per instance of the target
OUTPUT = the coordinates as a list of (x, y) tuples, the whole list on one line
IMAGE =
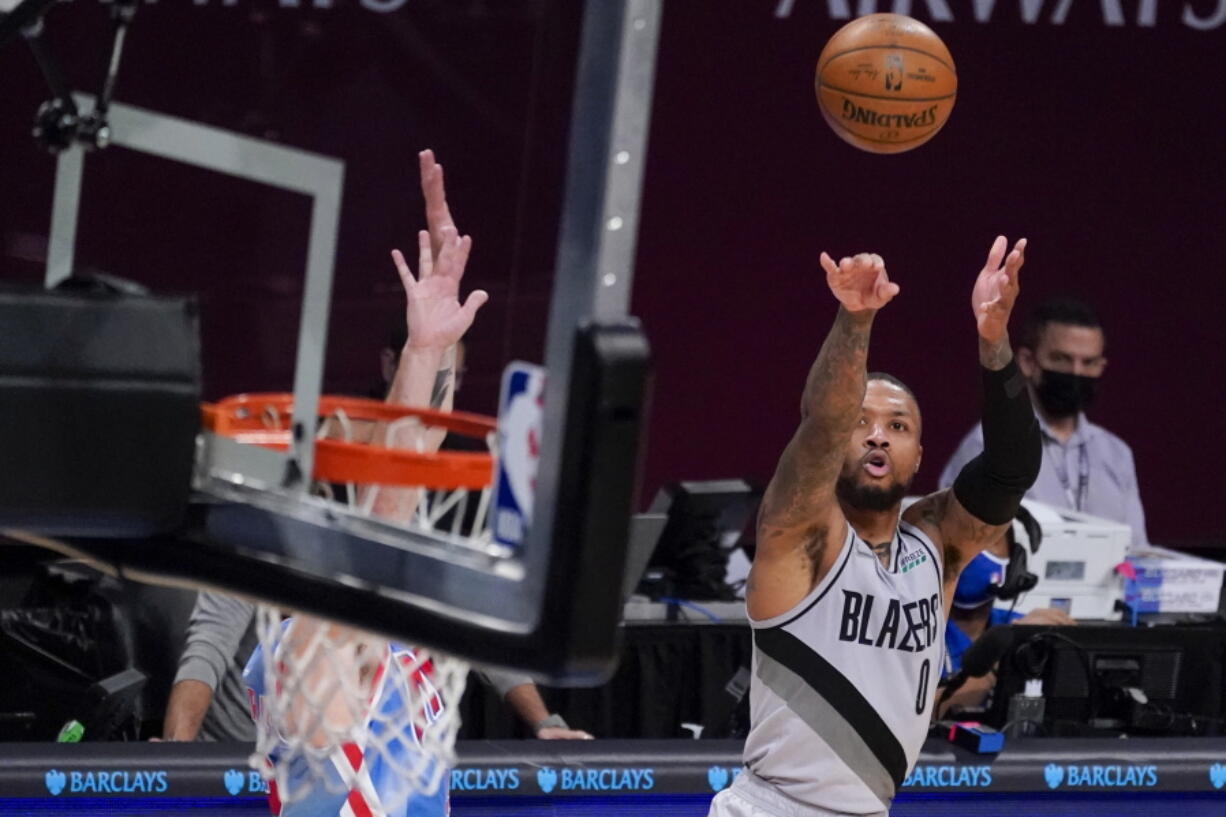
[(847, 601), (398, 680)]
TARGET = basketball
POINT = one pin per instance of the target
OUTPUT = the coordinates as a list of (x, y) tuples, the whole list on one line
[(886, 83)]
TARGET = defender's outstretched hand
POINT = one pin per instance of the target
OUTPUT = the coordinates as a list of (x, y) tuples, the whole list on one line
[(860, 283), (434, 315), (996, 289)]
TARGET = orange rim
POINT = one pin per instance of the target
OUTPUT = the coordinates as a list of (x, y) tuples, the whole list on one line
[(245, 417)]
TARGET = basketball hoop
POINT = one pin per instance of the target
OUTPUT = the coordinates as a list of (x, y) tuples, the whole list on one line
[(264, 419), (339, 710)]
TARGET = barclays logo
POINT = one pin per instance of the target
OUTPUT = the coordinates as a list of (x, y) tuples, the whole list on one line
[(595, 779), (718, 777), (237, 780), (489, 780), (950, 777), (1103, 777), (1217, 775), (608, 780), (546, 778), (55, 781), (105, 782)]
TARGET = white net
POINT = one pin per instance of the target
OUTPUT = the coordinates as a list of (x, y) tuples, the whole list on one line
[(458, 512), (343, 713)]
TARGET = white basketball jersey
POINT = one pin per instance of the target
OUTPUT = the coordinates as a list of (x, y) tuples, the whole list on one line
[(842, 686)]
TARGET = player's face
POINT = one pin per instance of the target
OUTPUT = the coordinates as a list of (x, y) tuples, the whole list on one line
[(885, 449)]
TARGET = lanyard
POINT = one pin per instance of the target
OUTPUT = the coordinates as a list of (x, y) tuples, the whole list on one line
[(1075, 500)]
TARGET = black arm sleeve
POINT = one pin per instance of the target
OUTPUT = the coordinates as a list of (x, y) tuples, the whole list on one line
[(991, 486)]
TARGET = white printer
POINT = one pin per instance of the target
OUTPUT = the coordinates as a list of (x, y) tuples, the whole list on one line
[(1076, 563)]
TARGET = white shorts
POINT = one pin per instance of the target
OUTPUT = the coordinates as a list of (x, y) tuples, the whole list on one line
[(751, 796)]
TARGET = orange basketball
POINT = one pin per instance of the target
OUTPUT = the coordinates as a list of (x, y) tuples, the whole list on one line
[(886, 83)]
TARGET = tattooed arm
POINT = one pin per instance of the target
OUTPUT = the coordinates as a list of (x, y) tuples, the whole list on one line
[(424, 351), (441, 227), (972, 514), (424, 377), (800, 526), (436, 322)]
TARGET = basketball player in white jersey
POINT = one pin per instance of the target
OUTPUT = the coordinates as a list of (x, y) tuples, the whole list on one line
[(368, 777), (848, 599)]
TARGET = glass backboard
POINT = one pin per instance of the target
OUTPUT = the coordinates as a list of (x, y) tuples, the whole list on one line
[(262, 156)]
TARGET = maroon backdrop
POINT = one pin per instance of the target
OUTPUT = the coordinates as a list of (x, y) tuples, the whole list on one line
[(1092, 128)]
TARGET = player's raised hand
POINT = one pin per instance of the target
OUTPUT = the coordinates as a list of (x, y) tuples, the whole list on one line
[(434, 314), (860, 283), (996, 289), (438, 214)]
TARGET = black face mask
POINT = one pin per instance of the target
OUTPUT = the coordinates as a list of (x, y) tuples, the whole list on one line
[(1064, 395)]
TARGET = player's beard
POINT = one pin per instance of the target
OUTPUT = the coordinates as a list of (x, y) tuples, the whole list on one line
[(869, 497)]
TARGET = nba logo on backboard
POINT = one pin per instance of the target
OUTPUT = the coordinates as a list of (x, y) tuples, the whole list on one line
[(519, 451)]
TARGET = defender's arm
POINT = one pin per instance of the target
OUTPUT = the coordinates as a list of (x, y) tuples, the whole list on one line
[(436, 321)]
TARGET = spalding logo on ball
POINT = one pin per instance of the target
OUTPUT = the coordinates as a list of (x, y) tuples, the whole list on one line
[(886, 83)]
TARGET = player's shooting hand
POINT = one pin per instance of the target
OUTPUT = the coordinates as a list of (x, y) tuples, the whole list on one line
[(860, 283), (434, 315), (996, 289), (438, 214)]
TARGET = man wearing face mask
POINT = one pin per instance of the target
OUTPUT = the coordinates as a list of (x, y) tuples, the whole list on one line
[(1085, 466)]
